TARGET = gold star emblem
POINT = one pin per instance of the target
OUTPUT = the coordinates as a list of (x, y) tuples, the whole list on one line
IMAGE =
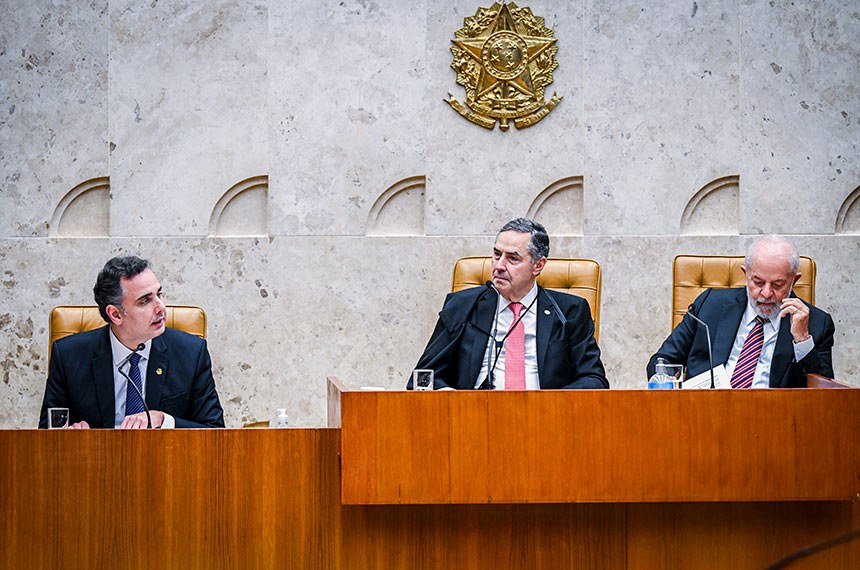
[(504, 57)]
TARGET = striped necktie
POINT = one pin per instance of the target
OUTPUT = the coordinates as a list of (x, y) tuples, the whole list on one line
[(744, 372), (133, 403)]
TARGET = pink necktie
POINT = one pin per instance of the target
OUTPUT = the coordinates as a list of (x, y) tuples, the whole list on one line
[(515, 352), (744, 372)]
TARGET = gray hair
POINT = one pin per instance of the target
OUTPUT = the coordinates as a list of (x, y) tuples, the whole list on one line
[(108, 289), (539, 244), (775, 245)]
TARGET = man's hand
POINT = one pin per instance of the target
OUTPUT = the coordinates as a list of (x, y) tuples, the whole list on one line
[(80, 425), (138, 421), (799, 314)]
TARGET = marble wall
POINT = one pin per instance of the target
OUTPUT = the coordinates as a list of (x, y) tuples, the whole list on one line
[(294, 169)]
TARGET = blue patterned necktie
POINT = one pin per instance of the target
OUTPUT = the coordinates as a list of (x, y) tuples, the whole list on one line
[(133, 403)]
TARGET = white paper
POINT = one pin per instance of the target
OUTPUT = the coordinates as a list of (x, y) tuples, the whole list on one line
[(703, 380)]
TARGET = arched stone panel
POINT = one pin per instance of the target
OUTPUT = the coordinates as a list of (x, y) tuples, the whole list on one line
[(84, 211), (399, 211), (243, 210), (714, 209), (559, 207), (848, 219)]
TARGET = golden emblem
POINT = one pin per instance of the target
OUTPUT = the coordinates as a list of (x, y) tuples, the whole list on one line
[(504, 57)]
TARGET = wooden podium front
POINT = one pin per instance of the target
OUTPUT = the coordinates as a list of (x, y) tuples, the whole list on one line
[(598, 446)]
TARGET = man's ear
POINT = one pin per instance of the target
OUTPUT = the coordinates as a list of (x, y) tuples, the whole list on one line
[(114, 314), (538, 267), (796, 278)]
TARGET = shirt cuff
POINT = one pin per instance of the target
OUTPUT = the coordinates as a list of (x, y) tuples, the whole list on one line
[(170, 421), (801, 349)]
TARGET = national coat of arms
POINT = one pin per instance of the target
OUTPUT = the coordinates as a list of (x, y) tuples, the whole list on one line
[(504, 57)]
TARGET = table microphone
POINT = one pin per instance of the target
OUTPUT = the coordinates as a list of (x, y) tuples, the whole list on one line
[(139, 347), (707, 334)]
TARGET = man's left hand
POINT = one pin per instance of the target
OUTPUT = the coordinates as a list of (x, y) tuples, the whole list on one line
[(138, 421), (799, 314)]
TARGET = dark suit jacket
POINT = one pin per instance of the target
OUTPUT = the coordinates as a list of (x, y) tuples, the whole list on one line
[(81, 378), (723, 310), (567, 354)]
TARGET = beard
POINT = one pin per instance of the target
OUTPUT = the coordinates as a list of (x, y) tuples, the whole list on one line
[(763, 308)]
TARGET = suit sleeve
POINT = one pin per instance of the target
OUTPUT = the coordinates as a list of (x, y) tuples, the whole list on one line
[(440, 356), (676, 348), (56, 389), (204, 407), (587, 370), (820, 358)]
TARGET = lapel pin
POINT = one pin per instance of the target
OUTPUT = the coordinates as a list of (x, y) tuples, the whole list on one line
[(158, 371), (546, 311)]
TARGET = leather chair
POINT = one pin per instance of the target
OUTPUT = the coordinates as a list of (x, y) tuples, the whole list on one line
[(70, 319), (692, 274), (579, 277)]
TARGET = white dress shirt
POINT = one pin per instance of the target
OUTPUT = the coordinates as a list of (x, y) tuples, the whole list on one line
[(761, 379), (120, 384), (503, 320)]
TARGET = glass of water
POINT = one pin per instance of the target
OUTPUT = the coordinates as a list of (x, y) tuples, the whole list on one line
[(58, 418), (422, 379)]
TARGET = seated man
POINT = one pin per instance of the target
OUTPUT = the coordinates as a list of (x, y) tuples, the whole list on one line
[(747, 326), (173, 367), (514, 335)]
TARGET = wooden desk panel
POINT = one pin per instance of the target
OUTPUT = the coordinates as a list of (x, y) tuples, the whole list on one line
[(612, 446)]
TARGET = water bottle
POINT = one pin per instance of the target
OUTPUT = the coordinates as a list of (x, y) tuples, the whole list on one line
[(661, 380), (282, 419)]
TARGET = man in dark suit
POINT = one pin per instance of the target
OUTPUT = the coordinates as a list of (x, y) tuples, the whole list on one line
[(761, 333), (173, 367), (544, 339)]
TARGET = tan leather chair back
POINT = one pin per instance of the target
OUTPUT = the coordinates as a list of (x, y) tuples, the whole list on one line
[(579, 277), (66, 320), (692, 274)]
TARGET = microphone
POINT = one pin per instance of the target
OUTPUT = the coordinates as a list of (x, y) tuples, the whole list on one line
[(489, 382), (707, 334), (125, 360)]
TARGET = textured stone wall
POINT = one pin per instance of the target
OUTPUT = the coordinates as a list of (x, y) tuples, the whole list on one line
[(293, 168)]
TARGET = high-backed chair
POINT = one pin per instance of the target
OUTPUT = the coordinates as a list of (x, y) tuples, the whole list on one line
[(692, 274), (579, 277), (70, 319)]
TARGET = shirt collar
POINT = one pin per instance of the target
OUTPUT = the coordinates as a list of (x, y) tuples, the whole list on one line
[(121, 351), (526, 301)]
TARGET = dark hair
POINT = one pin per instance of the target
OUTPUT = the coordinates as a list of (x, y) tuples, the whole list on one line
[(108, 289), (539, 245)]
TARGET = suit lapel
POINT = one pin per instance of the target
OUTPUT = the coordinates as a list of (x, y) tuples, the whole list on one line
[(102, 368), (544, 327), (482, 320), (156, 372), (727, 327), (783, 353)]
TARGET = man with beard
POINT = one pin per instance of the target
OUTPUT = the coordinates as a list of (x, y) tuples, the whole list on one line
[(543, 339), (172, 369), (762, 333)]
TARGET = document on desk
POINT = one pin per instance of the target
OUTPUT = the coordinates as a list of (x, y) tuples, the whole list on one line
[(703, 381)]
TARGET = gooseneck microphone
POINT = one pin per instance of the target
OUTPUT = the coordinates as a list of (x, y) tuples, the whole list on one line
[(489, 382), (125, 360), (707, 334)]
